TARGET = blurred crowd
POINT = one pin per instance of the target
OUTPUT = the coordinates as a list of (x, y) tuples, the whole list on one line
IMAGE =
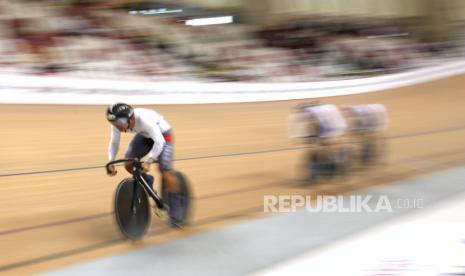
[(350, 46), (98, 39)]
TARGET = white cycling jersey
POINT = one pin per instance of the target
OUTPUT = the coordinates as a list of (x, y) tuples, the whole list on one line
[(331, 122), (329, 119), (370, 118), (149, 124)]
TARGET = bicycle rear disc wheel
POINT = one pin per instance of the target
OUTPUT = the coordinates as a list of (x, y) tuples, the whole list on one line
[(133, 218), (184, 197)]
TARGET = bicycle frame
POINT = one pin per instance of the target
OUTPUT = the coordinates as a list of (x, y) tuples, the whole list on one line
[(137, 166)]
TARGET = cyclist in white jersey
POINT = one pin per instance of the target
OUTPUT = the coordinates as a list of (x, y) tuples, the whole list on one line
[(367, 122), (366, 118), (323, 126), (153, 139)]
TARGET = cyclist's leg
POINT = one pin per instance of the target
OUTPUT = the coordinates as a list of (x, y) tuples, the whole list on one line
[(375, 147), (138, 148), (165, 166), (327, 155)]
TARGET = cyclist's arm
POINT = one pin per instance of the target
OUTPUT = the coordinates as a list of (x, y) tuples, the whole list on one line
[(113, 146)]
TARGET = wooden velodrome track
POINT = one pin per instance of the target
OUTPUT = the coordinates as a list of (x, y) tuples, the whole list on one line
[(51, 216)]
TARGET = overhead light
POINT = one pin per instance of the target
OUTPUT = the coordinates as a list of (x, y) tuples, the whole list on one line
[(155, 11), (210, 21)]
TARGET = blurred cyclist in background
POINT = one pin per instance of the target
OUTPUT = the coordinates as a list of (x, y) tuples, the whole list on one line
[(321, 125), (366, 124), (153, 138)]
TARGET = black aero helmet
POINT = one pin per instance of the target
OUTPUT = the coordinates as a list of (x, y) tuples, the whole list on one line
[(119, 113)]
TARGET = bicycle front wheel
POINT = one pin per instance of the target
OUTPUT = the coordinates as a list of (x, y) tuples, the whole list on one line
[(132, 209)]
